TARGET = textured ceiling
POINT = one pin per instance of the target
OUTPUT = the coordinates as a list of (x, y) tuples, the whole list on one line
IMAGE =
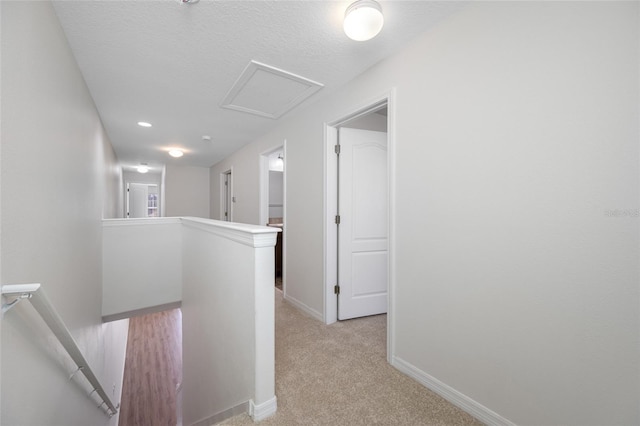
[(172, 64)]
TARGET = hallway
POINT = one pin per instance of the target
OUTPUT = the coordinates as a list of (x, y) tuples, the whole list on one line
[(338, 375)]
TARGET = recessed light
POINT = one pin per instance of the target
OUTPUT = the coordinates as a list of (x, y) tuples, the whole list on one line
[(144, 124), (177, 153)]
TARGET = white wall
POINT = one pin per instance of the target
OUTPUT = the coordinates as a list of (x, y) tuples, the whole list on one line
[(228, 320), (276, 195), (516, 281), (246, 184), (142, 265), (371, 121), (187, 191), (59, 178), (114, 198)]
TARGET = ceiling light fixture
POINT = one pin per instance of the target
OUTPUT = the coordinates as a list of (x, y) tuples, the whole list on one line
[(363, 20), (144, 124), (143, 168), (176, 153)]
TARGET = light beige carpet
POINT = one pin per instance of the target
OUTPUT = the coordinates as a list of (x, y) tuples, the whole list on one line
[(339, 375)]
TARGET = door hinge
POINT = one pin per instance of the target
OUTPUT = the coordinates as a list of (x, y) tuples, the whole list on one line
[(337, 149), (337, 219), (336, 289)]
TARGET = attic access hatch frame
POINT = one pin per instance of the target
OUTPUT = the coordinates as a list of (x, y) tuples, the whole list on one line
[(293, 90)]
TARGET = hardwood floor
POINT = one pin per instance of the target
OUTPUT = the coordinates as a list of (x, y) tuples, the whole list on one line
[(153, 370)]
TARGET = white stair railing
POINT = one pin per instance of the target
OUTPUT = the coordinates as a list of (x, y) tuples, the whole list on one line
[(36, 295)]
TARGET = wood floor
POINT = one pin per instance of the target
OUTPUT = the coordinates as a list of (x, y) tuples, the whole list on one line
[(153, 370)]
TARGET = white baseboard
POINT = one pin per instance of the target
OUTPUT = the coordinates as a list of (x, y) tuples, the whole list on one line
[(262, 411), (224, 415), (458, 399), (304, 308)]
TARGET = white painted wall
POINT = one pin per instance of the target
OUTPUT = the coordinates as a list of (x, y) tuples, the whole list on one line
[(187, 191), (142, 264), (516, 282), (59, 178), (372, 121), (276, 194), (228, 320), (114, 199)]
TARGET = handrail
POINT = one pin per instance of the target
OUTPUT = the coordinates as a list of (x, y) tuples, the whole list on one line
[(38, 298)]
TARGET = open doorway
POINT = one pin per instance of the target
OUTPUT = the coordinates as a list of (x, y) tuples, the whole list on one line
[(143, 194), (142, 200), (272, 204), (226, 193), (366, 180)]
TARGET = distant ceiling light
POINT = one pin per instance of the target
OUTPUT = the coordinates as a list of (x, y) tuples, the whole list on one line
[(363, 20), (188, 1), (177, 153), (143, 168), (144, 124), (206, 138)]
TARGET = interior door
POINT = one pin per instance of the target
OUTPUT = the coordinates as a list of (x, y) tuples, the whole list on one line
[(363, 224), (138, 194)]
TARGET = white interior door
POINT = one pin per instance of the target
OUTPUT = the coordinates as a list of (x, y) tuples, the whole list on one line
[(363, 228), (138, 194)]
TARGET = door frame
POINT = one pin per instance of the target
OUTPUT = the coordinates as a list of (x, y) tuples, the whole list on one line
[(264, 181), (331, 201), (264, 201), (223, 194), (128, 195)]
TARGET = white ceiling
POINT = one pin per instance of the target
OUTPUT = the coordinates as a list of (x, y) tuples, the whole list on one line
[(172, 64)]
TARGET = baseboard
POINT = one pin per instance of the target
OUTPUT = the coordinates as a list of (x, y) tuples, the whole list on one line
[(304, 308), (224, 415), (458, 399), (142, 311), (262, 411)]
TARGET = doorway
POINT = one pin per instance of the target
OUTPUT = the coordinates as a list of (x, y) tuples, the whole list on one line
[(379, 110), (362, 220), (226, 193), (272, 204), (142, 200)]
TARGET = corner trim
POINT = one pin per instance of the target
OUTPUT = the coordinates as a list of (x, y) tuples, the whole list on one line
[(262, 411), (455, 397)]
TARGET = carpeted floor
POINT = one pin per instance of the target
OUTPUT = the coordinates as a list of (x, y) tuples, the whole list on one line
[(338, 375)]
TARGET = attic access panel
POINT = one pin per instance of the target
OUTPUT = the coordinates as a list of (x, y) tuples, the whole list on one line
[(268, 91)]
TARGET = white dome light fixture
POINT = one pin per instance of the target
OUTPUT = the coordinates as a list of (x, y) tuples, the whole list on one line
[(176, 153), (363, 20), (143, 168)]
